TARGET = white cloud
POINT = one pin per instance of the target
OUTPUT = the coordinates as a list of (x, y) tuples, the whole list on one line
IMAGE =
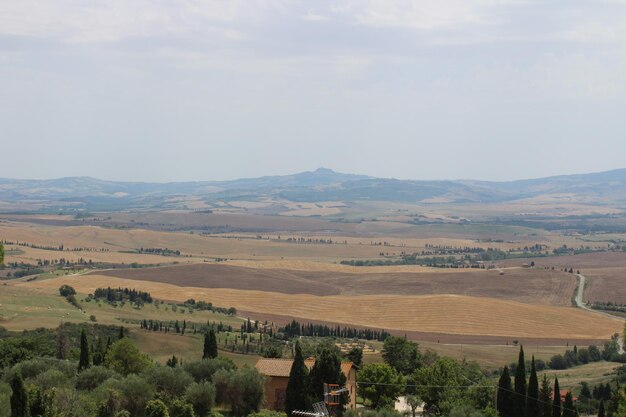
[(315, 17)]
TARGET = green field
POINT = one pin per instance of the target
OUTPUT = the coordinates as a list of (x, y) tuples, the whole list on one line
[(23, 309), (592, 373)]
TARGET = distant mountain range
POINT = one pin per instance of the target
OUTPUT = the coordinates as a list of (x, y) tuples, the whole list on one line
[(314, 186)]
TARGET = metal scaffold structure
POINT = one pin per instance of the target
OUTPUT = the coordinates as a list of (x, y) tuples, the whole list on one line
[(332, 400)]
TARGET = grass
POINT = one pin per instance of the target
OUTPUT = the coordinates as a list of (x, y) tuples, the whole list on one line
[(24, 308), (592, 373), (493, 356), (27, 308), (161, 346)]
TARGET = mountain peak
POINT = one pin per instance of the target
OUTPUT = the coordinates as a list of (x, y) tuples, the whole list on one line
[(322, 170)]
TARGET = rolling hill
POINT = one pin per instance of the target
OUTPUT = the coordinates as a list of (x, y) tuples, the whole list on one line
[(314, 186)]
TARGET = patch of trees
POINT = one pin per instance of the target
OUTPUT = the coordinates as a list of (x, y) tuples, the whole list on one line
[(159, 251), (295, 329), (113, 295), (574, 357), (591, 400), (181, 327), (115, 379), (70, 295), (62, 342), (609, 306), (414, 259), (20, 273), (328, 241), (206, 306), (531, 398), (305, 388), (446, 387), (578, 356), (58, 248)]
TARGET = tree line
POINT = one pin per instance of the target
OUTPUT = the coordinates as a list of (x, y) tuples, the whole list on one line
[(295, 329), (121, 294)]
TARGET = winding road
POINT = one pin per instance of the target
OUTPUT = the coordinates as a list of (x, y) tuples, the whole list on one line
[(580, 304)]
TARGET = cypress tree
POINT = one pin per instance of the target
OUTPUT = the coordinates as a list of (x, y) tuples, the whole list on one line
[(83, 361), (568, 406), (327, 369), (601, 412), (519, 401), (210, 345), (121, 336), (556, 402), (545, 398), (296, 394), (213, 346), (206, 349), (505, 394), (532, 404), (19, 397)]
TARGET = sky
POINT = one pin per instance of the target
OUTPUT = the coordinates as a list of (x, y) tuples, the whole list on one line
[(210, 90)]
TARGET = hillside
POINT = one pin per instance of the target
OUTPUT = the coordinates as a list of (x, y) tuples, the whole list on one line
[(316, 186)]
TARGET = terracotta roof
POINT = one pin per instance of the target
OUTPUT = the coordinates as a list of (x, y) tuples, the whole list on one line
[(282, 367), (274, 367), (345, 367)]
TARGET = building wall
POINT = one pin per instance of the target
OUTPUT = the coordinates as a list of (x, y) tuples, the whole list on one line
[(351, 385), (275, 389)]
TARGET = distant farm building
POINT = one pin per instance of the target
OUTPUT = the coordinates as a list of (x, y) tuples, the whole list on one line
[(277, 371), (563, 393)]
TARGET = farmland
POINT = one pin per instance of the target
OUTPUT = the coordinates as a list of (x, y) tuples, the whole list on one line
[(447, 314), (278, 268), (537, 286)]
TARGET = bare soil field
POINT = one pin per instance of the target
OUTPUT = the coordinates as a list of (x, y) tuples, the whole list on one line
[(448, 314), (583, 262), (524, 285), (224, 276), (606, 285)]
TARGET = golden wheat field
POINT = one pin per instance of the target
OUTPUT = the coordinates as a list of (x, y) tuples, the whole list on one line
[(447, 314)]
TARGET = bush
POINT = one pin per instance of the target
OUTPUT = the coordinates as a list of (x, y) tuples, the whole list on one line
[(52, 378), (204, 369), (558, 362), (171, 382), (135, 393), (124, 358), (201, 395), (181, 408), (66, 290), (30, 368), (73, 301), (91, 378), (156, 408), (243, 390)]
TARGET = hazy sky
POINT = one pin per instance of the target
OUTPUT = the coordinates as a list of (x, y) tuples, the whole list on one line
[(201, 90)]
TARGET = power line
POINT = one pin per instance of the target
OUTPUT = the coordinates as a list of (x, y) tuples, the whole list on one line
[(539, 401)]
